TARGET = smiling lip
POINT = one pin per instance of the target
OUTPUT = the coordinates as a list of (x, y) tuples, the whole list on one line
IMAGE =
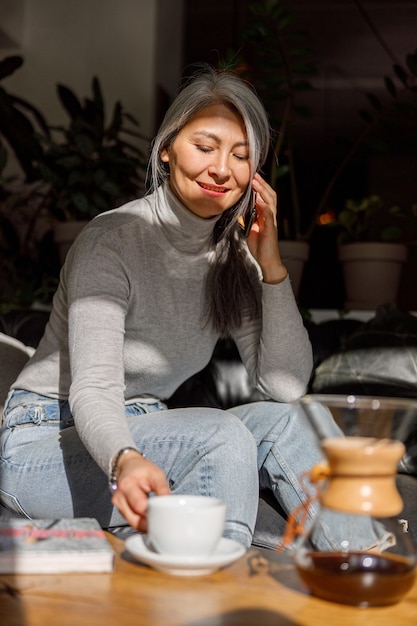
[(213, 190)]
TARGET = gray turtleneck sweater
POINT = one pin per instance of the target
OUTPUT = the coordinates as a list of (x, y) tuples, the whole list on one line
[(128, 322)]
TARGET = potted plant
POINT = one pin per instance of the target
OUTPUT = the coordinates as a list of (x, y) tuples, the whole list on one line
[(66, 173), (368, 226), (89, 166), (373, 240), (277, 58)]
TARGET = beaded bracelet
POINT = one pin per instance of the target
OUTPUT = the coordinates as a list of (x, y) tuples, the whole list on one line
[(113, 467)]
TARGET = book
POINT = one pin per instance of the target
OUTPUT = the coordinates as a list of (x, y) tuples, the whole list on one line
[(47, 546)]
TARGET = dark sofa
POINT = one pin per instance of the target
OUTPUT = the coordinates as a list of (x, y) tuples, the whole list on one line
[(376, 357)]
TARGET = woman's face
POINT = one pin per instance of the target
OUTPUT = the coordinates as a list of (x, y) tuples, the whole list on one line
[(209, 161)]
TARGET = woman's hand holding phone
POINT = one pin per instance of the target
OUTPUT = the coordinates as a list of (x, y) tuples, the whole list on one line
[(263, 233)]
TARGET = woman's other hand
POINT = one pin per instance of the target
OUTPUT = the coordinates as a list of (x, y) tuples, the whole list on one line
[(137, 477)]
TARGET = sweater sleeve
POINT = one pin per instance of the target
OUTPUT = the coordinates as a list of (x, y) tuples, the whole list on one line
[(275, 348), (97, 291)]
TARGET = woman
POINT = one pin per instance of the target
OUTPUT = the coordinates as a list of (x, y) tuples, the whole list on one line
[(145, 293)]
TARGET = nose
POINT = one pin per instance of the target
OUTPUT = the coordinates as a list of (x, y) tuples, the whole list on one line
[(219, 168)]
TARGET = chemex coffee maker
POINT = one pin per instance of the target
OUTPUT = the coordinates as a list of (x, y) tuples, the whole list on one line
[(357, 550)]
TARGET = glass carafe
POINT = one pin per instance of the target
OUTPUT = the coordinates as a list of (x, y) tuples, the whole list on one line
[(357, 551)]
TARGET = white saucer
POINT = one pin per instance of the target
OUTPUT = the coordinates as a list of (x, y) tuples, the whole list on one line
[(226, 553)]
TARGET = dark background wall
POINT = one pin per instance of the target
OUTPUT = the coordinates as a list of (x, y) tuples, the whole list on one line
[(352, 57)]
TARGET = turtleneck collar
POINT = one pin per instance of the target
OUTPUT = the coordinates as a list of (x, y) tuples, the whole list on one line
[(185, 230)]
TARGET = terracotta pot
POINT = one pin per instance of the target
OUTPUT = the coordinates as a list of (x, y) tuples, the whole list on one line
[(294, 255), (372, 273)]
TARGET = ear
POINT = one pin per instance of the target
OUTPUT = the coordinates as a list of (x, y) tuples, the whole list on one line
[(165, 155)]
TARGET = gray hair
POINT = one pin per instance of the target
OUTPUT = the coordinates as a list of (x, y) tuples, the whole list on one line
[(205, 88), (231, 284)]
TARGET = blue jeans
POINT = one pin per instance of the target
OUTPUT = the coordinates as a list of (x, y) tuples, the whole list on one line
[(45, 470)]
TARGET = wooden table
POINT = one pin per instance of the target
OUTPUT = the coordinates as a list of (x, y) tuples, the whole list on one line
[(261, 589)]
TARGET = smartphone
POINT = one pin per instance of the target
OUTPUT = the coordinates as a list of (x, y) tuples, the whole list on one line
[(247, 219)]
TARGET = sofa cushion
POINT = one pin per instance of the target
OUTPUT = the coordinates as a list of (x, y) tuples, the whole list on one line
[(378, 358)]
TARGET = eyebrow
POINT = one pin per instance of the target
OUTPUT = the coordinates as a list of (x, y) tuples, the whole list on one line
[(209, 135)]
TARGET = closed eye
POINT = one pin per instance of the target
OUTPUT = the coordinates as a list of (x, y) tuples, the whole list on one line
[(241, 157), (205, 149)]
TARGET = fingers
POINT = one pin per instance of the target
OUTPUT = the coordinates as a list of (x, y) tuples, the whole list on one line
[(133, 519), (266, 198), (266, 205), (138, 478), (263, 238)]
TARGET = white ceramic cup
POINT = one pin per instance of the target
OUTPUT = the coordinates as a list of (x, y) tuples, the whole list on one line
[(185, 525)]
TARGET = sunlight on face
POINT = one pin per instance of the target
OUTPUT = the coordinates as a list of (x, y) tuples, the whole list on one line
[(209, 161)]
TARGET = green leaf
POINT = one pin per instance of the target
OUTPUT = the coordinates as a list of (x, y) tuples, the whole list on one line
[(400, 73), (366, 116), (392, 233), (49, 175), (97, 93), (282, 170), (99, 177), (81, 202), (32, 110), (69, 101), (116, 122), (110, 188), (395, 210), (130, 118), (256, 9), (84, 145), (3, 158), (69, 162), (100, 202), (299, 52), (286, 21), (9, 65), (411, 61), (390, 86), (74, 178), (271, 5), (375, 102)]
